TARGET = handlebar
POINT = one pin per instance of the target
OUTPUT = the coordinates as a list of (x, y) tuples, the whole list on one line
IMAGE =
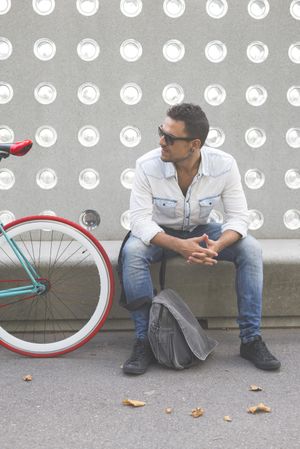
[(15, 149)]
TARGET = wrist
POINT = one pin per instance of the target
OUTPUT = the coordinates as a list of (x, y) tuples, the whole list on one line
[(178, 244), (218, 246)]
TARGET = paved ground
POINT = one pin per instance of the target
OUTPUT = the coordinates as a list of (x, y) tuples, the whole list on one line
[(74, 402)]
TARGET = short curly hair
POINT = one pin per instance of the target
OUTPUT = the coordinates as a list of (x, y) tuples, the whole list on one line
[(194, 118)]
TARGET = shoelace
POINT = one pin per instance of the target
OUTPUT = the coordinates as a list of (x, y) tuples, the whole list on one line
[(139, 351)]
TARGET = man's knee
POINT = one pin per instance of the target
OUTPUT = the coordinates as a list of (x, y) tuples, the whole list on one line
[(134, 249), (250, 248)]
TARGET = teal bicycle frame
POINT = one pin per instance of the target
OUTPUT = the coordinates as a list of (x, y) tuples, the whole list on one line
[(35, 287)]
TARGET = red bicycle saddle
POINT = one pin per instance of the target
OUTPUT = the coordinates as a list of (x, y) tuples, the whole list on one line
[(16, 149)]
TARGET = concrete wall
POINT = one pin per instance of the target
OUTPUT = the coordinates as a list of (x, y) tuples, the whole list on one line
[(109, 27)]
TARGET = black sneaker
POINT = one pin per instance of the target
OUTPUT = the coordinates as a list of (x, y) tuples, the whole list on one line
[(140, 358), (257, 352)]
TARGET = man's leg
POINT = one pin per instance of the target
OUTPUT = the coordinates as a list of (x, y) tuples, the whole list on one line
[(246, 255), (136, 260)]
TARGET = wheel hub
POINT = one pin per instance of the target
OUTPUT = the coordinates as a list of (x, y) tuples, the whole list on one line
[(47, 285)]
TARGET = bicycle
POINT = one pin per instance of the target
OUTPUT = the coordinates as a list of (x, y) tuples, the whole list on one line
[(65, 283)]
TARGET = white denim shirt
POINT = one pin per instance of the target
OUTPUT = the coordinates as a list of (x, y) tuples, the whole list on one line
[(156, 198)]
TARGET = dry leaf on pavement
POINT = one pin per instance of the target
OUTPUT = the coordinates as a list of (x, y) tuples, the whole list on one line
[(255, 388), (196, 412), (27, 378), (149, 393), (133, 403), (259, 408), (227, 418)]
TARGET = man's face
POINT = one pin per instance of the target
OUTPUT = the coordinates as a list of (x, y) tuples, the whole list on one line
[(180, 150)]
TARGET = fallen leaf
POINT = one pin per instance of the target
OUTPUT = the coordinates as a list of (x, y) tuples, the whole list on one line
[(149, 393), (168, 410), (133, 403), (227, 418), (27, 378), (259, 408), (255, 388), (196, 412)]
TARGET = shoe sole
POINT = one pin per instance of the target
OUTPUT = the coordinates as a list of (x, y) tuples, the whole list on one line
[(263, 367), (133, 371)]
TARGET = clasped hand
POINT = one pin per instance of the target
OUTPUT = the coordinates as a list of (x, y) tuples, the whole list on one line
[(191, 250)]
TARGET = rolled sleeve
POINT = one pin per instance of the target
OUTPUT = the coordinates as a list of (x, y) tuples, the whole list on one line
[(235, 204), (141, 208)]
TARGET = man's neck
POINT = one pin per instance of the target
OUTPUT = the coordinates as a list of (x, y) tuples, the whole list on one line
[(190, 166)]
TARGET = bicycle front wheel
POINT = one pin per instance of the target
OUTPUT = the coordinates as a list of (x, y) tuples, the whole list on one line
[(78, 277)]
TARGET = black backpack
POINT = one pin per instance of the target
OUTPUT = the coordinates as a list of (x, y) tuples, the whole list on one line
[(176, 337)]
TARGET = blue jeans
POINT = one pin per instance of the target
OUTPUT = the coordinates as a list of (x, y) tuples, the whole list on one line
[(246, 255)]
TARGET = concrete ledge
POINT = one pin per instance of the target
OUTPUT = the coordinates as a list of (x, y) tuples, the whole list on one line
[(210, 291), (126, 324)]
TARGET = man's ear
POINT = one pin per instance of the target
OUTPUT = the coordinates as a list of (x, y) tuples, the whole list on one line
[(196, 144)]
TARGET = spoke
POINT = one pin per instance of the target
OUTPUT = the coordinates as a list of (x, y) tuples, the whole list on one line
[(68, 258), (18, 325), (7, 281), (34, 320), (34, 263), (40, 250), (27, 321), (18, 301), (50, 274), (50, 252), (57, 320), (55, 259), (53, 320), (53, 306), (92, 276), (4, 312), (79, 302), (25, 246), (57, 281), (15, 263), (45, 319), (4, 264), (67, 307)]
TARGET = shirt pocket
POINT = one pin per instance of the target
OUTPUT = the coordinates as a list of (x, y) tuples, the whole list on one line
[(164, 207), (206, 205)]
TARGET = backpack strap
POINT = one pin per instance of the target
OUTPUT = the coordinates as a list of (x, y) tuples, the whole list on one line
[(162, 271), (122, 299)]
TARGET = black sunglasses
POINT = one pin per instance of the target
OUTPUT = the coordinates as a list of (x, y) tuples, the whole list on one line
[(170, 139)]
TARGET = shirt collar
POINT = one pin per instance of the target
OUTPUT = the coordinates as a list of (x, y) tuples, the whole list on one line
[(204, 162), (169, 169)]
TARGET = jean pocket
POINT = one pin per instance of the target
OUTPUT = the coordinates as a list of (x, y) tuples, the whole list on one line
[(165, 207), (206, 205)]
